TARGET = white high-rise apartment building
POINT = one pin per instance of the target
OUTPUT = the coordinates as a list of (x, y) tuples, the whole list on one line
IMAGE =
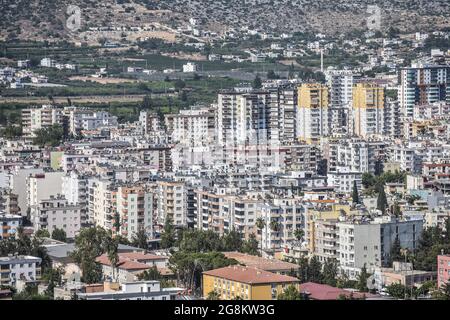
[(282, 217), (149, 122), (423, 84), (313, 120), (244, 117), (37, 118), (80, 120), (368, 110), (101, 202), (134, 207), (195, 127), (57, 213), (41, 186), (75, 190), (171, 201), (340, 83), (369, 242)]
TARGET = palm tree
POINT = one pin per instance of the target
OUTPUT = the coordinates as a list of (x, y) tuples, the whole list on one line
[(112, 251), (274, 226), (298, 234), (260, 224)]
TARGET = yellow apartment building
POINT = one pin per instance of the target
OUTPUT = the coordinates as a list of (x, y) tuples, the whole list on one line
[(313, 118), (247, 283)]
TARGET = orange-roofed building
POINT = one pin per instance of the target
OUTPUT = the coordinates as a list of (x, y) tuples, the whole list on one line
[(247, 283), (131, 264)]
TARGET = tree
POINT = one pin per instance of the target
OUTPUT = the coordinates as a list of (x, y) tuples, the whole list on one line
[(271, 75), (213, 295), (315, 270), (147, 103), (24, 245), (140, 239), (250, 246), (396, 210), (11, 131), (59, 234), (257, 83), (368, 180), (395, 253), (116, 223), (188, 266), (42, 233), (90, 244), (232, 241), (112, 252), (397, 290), (260, 225), (30, 293), (443, 293), (381, 200), (299, 234), (150, 274), (290, 293), (168, 234), (303, 266), (179, 85), (355, 196), (53, 277), (330, 272), (274, 226), (50, 136), (362, 279)]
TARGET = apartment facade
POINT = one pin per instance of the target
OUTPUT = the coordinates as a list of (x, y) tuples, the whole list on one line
[(443, 271), (423, 84), (134, 208), (37, 118), (368, 110), (247, 283), (313, 121), (171, 202), (9, 224), (13, 268), (369, 243), (57, 213)]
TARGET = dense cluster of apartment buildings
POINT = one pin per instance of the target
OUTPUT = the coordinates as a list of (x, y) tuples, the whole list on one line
[(281, 163)]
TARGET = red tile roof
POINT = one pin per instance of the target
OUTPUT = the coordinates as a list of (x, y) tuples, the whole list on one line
[(272, 265), (318, 291), (249, 275), (124, 263), (141, 256)]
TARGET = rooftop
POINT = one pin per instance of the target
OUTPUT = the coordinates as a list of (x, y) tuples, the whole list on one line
[(318, 291), (249, 275), (272, 265)]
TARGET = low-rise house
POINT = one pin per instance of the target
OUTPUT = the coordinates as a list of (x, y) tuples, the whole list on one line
[(402, 273), (132, 264)]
